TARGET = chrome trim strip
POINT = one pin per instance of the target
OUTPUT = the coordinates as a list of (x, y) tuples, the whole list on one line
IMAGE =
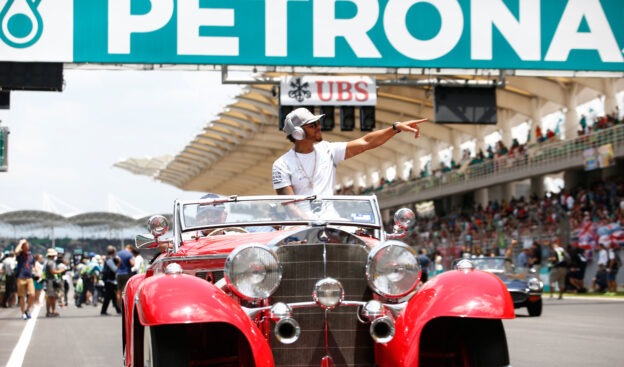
[(395, 309)]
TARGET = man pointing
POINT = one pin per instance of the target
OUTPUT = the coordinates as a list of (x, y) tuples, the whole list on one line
[(310, 166)]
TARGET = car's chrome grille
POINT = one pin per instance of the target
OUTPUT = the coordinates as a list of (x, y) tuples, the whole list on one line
[(350, 343)]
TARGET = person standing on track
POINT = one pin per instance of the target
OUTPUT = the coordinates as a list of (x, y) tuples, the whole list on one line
[(53, 283), (125, 269), (24, 274), (558, 260), (310, 166), (109, 275)]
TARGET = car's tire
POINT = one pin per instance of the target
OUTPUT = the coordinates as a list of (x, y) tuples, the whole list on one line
[(162, 349), (463, 342), (535, 308)]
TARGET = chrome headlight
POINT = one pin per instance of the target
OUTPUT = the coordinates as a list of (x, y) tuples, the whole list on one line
[(253, 272), (535, 284), (328, 293), (392, 269)]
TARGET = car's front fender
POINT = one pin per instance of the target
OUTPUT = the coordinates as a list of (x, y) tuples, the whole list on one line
[(183, 299), (461, 294), (128, 308)]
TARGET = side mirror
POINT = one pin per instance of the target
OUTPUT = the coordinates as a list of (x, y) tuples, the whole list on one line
[(404, 218), (158, 226), (144, 240)]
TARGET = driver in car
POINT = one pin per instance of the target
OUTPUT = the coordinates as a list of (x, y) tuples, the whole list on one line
[(211, 214)]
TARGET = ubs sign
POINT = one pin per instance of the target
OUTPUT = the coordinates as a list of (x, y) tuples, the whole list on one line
[(327, 91), (509, 34)]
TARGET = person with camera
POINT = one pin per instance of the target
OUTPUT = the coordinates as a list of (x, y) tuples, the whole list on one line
[(52, 282)]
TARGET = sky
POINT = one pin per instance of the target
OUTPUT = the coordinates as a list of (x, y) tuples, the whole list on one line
[(63, 145)]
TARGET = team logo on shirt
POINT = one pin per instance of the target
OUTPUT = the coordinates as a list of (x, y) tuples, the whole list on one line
[(277, 177)]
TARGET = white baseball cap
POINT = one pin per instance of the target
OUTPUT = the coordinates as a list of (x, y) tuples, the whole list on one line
[(299, 117)]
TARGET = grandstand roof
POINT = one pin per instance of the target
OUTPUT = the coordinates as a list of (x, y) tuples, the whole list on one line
[(38, 217), (102, 218), (234, 152), (49, 219)]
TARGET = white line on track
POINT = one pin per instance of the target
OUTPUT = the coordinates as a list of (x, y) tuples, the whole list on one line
[(19, 352)]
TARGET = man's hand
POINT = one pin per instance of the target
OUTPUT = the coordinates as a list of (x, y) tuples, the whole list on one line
[(411, 126)]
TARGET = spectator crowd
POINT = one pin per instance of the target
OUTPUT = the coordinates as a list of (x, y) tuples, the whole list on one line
[(592, 216), (95, 278)]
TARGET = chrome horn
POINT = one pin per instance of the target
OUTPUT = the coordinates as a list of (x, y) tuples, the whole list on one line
[(287, 330), (382, 329), (382, 324)]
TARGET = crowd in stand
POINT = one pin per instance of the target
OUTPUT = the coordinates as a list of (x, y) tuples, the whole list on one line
[(599, 122), (595, 215), (95, 278), (498, 153)]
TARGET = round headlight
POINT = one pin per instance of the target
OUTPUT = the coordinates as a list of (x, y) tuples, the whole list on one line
[(392, 269), (253, 272), (535, 284), (328, 293)]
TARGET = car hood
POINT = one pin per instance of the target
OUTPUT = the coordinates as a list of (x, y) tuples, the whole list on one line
[(223, 243)]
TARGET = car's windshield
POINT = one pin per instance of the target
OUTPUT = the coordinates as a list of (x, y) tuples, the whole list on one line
[(234, 211), (491, 264)]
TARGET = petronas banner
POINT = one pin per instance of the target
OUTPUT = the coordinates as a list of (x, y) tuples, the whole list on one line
[(578, 35)]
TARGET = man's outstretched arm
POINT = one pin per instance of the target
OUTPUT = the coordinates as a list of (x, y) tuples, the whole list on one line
[(377, 138)]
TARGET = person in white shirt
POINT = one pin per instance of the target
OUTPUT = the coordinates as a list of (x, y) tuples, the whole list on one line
[(140, 265), (602, 258), (309, 168)]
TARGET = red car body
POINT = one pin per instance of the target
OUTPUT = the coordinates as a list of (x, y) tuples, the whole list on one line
[(188, 317)]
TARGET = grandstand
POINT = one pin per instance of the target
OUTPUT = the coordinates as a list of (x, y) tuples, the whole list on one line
[(245, 138)]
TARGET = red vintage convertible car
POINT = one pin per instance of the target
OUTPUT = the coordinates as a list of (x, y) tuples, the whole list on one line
[(304, 281)]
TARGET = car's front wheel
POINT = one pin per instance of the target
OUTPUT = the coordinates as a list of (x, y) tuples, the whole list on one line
[(535, 308), (161, 349), (207, 344), (463, 342)]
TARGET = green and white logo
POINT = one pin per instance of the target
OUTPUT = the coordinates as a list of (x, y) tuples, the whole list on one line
[(22, 24)]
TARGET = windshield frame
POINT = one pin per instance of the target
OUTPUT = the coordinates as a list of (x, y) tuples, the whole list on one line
[(181, 226)]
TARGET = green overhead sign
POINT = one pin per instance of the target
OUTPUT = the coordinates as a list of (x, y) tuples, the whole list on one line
[(493, 34)]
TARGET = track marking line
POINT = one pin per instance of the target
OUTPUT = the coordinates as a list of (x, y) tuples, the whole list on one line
[(19, 352)]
